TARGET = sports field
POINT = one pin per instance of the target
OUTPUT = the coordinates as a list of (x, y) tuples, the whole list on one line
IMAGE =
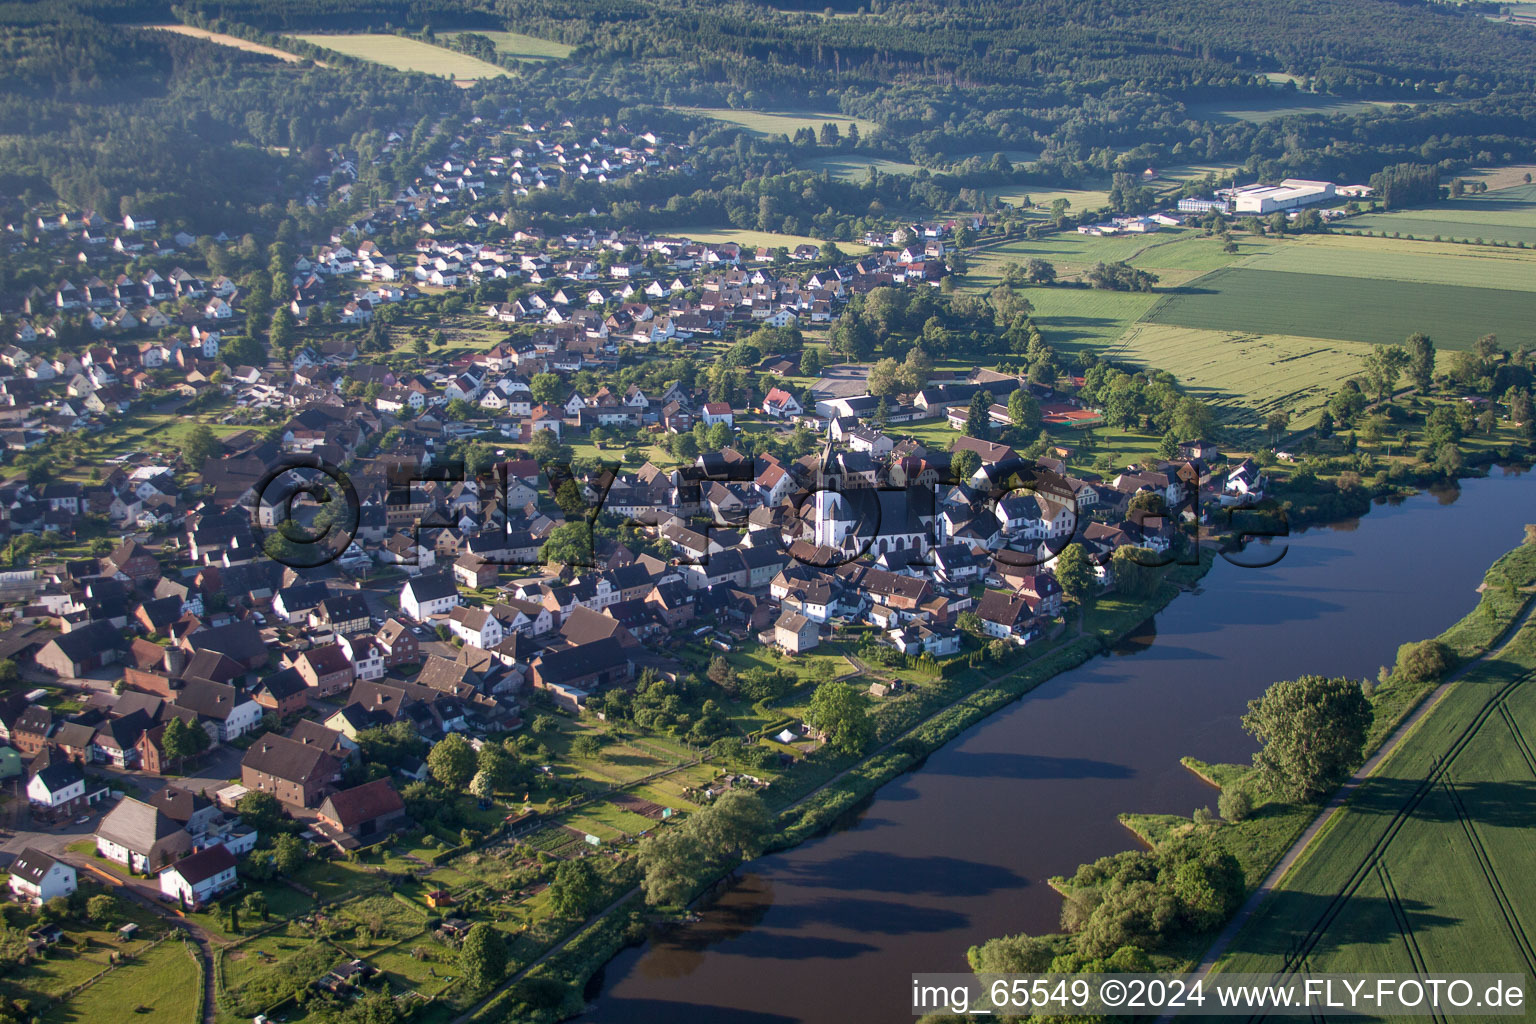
[(1504, 215), (1245, 377), (1428, 866), (1401, 260), (852, 167), (761, 122), (515, 44), (407, 55), (1347, 308)]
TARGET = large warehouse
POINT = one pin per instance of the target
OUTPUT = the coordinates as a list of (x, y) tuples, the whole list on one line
[(1289, 194)]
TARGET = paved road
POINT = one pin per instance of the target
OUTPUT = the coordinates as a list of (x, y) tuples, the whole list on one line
[(1272, 881)]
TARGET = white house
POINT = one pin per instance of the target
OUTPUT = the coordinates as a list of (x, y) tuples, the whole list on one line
[(429, 594), (477, 627), (780, 404), (38, 878), (200, 877), (56, 786)]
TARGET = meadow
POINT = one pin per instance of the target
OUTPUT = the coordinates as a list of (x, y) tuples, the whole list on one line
[(406, 55), (753, 239), (762, 122), (1504, 215), (521, 47), (1042, 197), (1428, 864), (1282, 105), (162, 985), (1244, 377), (1400, 260), (853, 167), (1346, 308)]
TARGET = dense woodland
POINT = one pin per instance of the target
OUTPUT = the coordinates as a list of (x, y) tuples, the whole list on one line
[(97, 116)]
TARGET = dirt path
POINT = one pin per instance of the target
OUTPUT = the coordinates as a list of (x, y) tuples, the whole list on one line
[(1299, 847)]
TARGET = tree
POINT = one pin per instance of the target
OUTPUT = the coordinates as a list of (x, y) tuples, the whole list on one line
[(574, 889), (1275, 424), (202, 445), (101, 907), (586, 745), (1133, 571), (1421, 360), (1422, 662), (1234, 804), (483, 957), (482, 788), (964, 464), (883, 381), (1383, 365), (255, 904), (568, 544), (1312, 732), (547, 388), (261, 811), (289, 853), (181, 741), (978, 421), (1040, 271), (1074, 572), (1023, 410), (1168, 445), (452, 761), (810, 362), (839, 710)]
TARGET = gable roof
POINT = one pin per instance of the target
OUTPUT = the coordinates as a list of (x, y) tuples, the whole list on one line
[(32, 865), (352, 807), (136, 825), (289, 760), (204, 864)]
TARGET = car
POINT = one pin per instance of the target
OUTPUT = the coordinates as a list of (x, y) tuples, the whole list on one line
[(82, 819)]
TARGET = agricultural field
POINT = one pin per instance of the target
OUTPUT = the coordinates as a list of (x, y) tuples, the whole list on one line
[(1043, 197), (521, 47), (228, 40), (753, 239), (1283, 105), (1400, 260), (1429, 861), (407, 55), (1244, 377), (853, 167), (762, 122), (1346, 308), (1506, 215), (161, 985)]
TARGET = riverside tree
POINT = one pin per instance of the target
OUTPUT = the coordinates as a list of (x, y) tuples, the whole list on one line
[(840, 712), (1313, 733)]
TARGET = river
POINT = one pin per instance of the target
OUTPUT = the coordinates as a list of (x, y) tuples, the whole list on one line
[(959, 851)]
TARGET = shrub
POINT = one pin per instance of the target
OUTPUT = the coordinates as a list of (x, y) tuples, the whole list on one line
[(1235, 804), (1203, 816), (1423, 661)]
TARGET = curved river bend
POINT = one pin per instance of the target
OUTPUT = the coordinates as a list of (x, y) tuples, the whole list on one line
[(831, 931)]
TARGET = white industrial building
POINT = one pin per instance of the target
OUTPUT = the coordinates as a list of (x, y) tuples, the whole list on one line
[(1289, 194)]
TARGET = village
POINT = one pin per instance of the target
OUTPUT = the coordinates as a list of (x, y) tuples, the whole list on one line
[(635, 517)]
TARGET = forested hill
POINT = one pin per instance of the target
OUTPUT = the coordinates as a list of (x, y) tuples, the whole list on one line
[(1351, 43)]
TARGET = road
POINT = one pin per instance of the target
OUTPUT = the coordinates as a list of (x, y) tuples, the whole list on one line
[(1292, 855)]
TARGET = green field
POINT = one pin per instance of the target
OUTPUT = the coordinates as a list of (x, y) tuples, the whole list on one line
[(406, 55), (762, 122), (1504, 215), (1044, 196), (515, 44), (753, 239), (162, 985), (1396, 260), (1346, 308), (1428, 865), (1245, 376), (852, 167), (1283, 105)]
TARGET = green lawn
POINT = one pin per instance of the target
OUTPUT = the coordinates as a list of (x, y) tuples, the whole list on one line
[(1347, 308), (1282, 105), (162, 985)]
